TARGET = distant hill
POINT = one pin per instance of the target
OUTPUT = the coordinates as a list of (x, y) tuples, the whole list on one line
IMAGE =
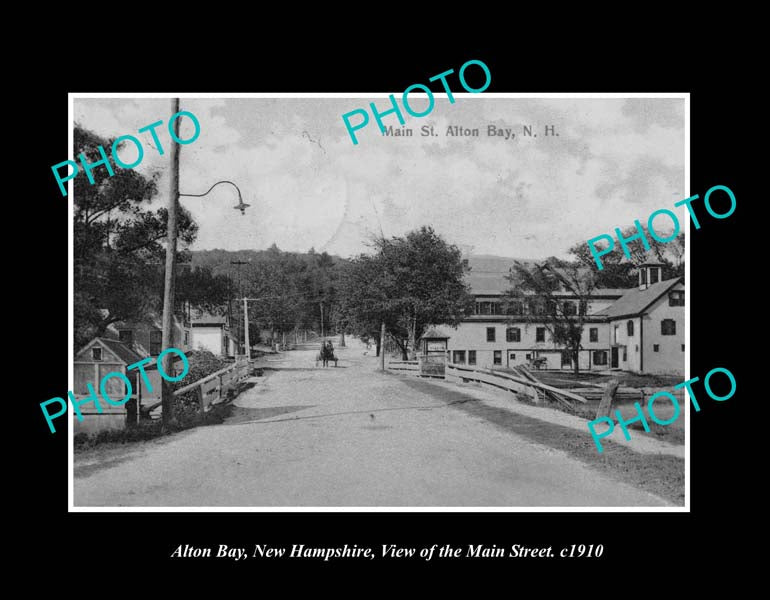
[(219, 261)]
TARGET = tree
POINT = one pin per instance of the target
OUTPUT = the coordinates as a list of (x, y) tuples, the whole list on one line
[(118, 249), (202, 289), (537, 296), (410, 283), (621, 272)]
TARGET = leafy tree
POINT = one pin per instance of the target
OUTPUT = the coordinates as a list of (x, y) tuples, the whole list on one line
[(410, 283), (537, 296), (118, 249), (203, 289), (621, 272)]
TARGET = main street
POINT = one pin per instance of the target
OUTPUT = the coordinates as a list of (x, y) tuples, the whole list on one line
[(347, 436)]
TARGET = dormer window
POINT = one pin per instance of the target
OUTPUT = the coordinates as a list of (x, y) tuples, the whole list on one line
[(676, 298), (96, 354)]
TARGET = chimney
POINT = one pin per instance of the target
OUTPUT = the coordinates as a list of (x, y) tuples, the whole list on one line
[(650, 273)]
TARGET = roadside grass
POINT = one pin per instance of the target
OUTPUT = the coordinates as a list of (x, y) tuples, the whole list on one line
[(148, 429), (660, 474)]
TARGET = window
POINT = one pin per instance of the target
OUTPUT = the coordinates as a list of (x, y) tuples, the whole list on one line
[(654, 275), (186, 338), (682, 347), (126, 336), (676, 298), (471, 357), (96, 354), (566, 360), (655, 347), (529, 357), (514, 308), (643, 273), (513, 334), (600, 357), (540, 334), (625, 354), (630, 328), (490, 334), (498, 357), (156, 339), (668, 327), (593, 334), (583, 307), (569, 308), (536, 307), (512, 356), (487, 308), (458, 357)]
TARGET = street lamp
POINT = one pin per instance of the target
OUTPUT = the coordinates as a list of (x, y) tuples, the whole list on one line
[(167, 340), (241, 206)]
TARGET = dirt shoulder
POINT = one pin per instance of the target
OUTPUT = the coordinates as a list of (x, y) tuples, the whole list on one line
[(660, 473)]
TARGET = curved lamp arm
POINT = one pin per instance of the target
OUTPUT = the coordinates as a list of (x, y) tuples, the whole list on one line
[(240, 206)]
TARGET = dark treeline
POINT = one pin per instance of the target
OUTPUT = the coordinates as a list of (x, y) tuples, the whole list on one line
[(289, 291)]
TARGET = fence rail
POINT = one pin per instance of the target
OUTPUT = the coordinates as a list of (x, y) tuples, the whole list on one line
[(404, 365), (506, 382), (213, 388)]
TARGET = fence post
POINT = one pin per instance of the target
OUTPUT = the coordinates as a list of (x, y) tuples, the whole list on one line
[(607, 397)]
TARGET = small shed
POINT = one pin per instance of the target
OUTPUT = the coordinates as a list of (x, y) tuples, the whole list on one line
[(96, 359), (434, 344)]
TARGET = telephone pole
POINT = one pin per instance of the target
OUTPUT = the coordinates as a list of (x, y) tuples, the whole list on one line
[(167, 338), (245, 307), (382, 347), (246, 327)]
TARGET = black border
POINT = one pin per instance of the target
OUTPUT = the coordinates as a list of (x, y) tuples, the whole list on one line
[(630, 540)]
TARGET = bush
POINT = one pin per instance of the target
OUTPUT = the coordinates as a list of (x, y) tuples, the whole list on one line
[(202, 364)]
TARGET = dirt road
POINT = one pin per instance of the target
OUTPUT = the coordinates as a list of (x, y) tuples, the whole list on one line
[(349, 436)]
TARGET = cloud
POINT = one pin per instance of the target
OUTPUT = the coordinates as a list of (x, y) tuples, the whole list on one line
[(613, 160)]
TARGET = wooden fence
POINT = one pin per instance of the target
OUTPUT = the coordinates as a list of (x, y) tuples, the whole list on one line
[(215, 387), (512, 383), (404, 365)]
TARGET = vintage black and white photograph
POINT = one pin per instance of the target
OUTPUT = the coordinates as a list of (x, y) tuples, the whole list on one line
[(471, 310)]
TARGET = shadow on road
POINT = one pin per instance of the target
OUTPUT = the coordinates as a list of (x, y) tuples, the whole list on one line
[(239, 414)]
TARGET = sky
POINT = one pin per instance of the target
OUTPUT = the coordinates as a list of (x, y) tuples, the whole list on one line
[(613, 161)]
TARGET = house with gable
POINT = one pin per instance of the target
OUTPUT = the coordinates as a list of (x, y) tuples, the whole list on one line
[(639, 329), (646, 325)]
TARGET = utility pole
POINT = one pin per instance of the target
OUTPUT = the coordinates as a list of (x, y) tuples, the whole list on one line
[(167, 338), (246, 327), (382, 347), (245, 316)]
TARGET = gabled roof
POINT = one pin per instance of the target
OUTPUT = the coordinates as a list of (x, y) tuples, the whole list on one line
[(435, 332), (119, 349), (122, 351), (488, 278), (636, 301)]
